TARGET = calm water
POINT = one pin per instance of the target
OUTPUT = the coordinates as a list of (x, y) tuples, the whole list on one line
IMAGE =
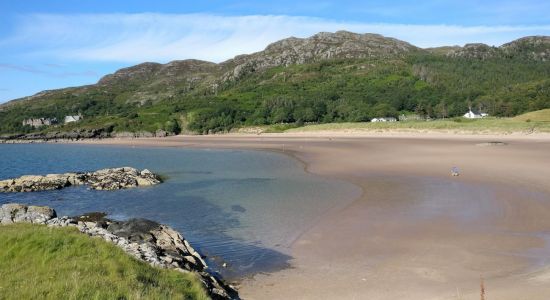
[(239, 207)]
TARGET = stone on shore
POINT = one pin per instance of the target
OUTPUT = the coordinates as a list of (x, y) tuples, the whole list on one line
[(105, 179), (17, 213)]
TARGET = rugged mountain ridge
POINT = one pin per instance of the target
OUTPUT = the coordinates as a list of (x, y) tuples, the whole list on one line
[(152, 96), (531, 47), (322, 46), (290, 51)]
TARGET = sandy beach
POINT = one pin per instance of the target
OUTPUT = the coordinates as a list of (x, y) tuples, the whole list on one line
[(416, 232)]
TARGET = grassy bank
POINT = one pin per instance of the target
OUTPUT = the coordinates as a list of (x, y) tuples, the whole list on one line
[(538, 121), (37, 262)]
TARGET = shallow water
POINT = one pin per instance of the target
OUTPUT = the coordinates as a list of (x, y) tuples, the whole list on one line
[(239, 207)]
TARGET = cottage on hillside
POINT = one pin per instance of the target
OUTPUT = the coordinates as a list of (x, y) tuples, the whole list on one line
[(70, 119), (471, 115), (385, 119)]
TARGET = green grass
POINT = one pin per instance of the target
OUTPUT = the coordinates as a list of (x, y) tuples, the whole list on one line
[(278, 128), (535, 116), (38, 262), (489, 125)]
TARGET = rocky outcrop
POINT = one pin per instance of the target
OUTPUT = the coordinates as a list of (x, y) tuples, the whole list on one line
[(78, 134), (105, 179), (531, 48), (189, 71), (475, 51), (322, 46), (149, 241), (18, 213)]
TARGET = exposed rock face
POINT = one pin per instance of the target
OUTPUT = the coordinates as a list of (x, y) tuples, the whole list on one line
[(106, 179), (531, 48), (322, 46), (169, 78), (172, 71), (478, 51), (149, 241)]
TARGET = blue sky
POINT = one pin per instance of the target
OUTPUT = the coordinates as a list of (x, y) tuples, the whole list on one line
[(53, 44)]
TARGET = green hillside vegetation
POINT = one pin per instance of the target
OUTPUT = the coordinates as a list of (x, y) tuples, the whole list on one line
[(38, 262), (204, 97)]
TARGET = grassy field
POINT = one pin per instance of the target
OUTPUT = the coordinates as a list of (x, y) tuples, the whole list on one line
[(37, 262), (538, 121), (537, 116)]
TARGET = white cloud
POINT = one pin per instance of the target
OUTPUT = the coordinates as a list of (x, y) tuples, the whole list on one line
[(164, 37)]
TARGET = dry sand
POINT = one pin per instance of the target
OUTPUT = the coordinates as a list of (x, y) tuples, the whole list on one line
[(416, 232)]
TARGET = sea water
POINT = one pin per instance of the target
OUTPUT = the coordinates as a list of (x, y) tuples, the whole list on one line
[(242, 208)]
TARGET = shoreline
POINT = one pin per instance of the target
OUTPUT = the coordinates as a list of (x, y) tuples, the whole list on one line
[(148, 241), (518, 163), (304, 133)]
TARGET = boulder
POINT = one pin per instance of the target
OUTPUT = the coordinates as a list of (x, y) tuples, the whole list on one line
[(134, 230), (18, 213)]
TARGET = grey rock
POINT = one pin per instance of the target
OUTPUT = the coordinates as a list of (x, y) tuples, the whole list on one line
[(18, 213), (106, 179)]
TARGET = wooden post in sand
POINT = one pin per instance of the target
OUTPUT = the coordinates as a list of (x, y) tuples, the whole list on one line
[(482, 287)]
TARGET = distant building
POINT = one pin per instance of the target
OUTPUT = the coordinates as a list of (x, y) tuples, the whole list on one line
[(39, 122), (472, 115), (385, 119), (70, 119), (410, 117)]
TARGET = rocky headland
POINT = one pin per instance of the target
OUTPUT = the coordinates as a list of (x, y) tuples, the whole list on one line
[(105, 179), (146, 240), (77, 135)]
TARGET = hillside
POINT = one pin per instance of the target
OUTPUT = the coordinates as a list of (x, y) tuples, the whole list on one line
[(329, 77)]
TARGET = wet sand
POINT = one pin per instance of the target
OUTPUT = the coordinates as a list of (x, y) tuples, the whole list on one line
[(416, 232)]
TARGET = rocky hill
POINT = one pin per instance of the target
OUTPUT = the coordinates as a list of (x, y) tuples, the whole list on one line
[(328, 77), (532, 47), (322, 46)]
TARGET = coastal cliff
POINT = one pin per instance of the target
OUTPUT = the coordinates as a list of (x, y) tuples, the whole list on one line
[(146, 240)]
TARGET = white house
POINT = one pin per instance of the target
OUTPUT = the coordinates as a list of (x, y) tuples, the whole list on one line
[(70, 119), (471, 115), (386, 119)]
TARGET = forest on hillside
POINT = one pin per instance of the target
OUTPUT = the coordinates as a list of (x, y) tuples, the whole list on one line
[(338, 90)]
